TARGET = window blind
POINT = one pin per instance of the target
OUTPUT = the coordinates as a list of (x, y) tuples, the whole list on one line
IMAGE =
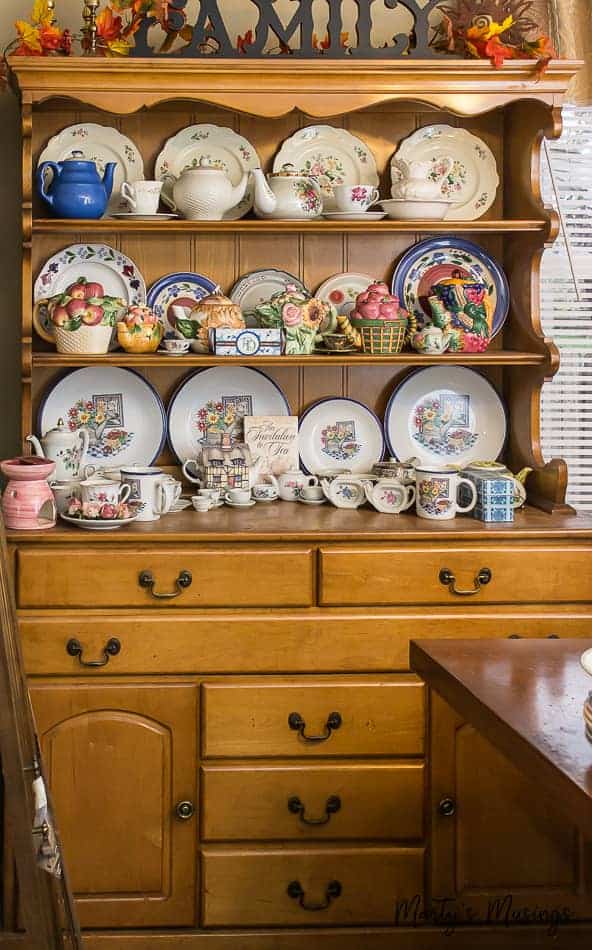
[(567, 401)]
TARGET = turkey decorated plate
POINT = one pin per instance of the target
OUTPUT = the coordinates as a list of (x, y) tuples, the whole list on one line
[(445, 415), (178, 290), (123, 414), (340, 431), (210, 405), (436, 259)]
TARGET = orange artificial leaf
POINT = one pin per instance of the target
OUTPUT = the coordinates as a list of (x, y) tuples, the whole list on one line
[(108, 25), (497, 52), (41, 14), (541, 48), (28, 35)]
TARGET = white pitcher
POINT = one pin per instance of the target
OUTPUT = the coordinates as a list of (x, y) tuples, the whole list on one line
[(421, 181)]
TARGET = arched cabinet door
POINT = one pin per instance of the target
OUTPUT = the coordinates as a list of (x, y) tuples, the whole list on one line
[(119, 760)]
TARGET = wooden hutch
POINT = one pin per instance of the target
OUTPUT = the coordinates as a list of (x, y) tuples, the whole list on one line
[(185, 798)]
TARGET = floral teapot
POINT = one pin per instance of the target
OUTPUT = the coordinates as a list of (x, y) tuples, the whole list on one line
[(287, 194), (67, 449), (420, 181), (431, 339), (203, 193)]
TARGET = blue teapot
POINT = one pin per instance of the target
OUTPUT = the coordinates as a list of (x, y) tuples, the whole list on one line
[(77, 190)]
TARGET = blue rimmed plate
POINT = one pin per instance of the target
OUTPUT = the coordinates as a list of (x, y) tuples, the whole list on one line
[(436, 259), (178, 290), (340, 432), (213, 402), (445, 415), (122, 412)]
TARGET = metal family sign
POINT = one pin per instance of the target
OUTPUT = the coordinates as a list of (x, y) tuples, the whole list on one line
[(209, 36)]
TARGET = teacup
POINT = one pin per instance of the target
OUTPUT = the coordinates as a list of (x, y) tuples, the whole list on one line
[(201, 503), (355, 197), (176, 346), (102, 491), (142, 196), (263, 492), (62, 492), (169, 490), (146, 484), (238, 496), (312, 493), (212, 493), (437, 493)]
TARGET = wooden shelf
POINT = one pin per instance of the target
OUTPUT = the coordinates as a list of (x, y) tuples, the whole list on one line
[(489, 358), (251, 225)]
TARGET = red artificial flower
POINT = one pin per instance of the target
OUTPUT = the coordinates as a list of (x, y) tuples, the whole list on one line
[(243, 41), (108, 26)]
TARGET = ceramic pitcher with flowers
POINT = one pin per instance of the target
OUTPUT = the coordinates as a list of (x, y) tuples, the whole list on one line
[(420, 181)]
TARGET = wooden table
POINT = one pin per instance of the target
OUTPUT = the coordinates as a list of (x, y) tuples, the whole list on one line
[(525, 697)]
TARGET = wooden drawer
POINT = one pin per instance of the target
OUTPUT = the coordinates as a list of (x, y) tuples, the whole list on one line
[(258, 803), (376, 717), (411, 574), (221, 576), (250, 888)]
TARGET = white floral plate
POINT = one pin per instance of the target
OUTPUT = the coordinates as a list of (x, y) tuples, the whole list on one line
[(473, 179), (258, 287), (214, 401), (445, 415), (97, 263), (96, 524), (342, 290), (221, 147), (334, 155), (123, 413), (342, 431), (178, 290), (99, 144)]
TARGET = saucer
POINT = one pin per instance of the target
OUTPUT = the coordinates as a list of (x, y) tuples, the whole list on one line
[(354, 215), (312, 501), (180, 505), (234, 504), (324, 351), (133, 216), (163, 352), (265, 501)]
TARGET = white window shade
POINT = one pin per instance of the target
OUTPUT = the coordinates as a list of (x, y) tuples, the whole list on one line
[(567, 400)]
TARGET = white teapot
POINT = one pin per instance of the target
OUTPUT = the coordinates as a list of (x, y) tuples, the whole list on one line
[(67, 449), (347, 491), (290, 484), (203, 193), (420, 181), (287, 194)]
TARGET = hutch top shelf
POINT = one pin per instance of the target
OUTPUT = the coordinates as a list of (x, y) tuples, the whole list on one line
[(276, 87)]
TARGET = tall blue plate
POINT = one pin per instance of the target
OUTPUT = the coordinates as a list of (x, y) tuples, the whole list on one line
[(184, 289), (442, 255)]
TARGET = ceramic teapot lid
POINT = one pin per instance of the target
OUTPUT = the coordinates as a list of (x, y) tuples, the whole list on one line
[(289, 171), (60, 428), (205, 168)]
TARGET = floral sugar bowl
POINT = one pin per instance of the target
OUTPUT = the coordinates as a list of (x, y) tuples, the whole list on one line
[(140, 331), (287, 194)]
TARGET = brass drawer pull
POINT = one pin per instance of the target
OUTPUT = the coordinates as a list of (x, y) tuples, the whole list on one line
[(518, 636), (111, 648), (447, 807), (447, 578), (184, 810), (183, 581), (297, 724), (297, 893), (296, 807)]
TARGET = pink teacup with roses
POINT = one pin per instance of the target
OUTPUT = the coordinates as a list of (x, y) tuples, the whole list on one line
[(355, 197), (103, 491)]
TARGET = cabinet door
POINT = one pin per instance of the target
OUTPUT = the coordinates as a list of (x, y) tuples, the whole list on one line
[(499, 844), (119, 758)]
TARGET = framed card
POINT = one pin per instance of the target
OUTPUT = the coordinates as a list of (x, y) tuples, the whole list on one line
[(275, 440)]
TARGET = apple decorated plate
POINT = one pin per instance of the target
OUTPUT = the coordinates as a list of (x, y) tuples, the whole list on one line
[(339, 431), (87, 272), (342, 290)]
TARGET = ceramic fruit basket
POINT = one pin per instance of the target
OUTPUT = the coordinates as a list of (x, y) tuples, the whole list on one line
[(140, 331), (79, 321), (380, 321)]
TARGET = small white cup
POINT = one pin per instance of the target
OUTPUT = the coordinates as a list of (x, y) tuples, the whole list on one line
[(142, 196), (176, 346), (62, 492), (238, 496), (212, 493), (201, 503), (437, 493), (264, 492), (145, 483), (355, 197), (312, 493), (168, 491)]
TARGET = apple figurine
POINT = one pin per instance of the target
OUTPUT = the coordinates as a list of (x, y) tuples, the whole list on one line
[(60, 316), (93, 290), (92, 315)]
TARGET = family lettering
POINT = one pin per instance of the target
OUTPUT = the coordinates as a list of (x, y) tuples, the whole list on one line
[(210, 35)]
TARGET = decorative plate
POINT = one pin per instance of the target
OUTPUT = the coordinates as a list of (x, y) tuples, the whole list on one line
[(221, 147), (445, 415), (123, 413), (435, 259), (473, 179), (95, 524), (342, 290), (258, 287), (99, 144), (342, 431), (334, 155), (178, 290), (212, 403), (99, 263)]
